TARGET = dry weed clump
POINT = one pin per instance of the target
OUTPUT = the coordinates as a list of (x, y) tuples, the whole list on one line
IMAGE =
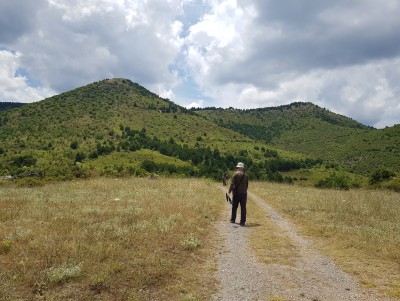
[(360, 229), (103, 239)]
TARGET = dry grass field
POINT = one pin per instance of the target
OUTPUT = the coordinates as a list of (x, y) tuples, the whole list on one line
[(106, 239), (359, 229), (152, 239)]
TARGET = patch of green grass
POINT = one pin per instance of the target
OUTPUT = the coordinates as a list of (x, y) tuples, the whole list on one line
[(5, 246)]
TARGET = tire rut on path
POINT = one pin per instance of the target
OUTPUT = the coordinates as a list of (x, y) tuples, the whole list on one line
[(314, 276)]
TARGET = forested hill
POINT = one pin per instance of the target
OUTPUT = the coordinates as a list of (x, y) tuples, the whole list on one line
[(314, 131), (115, 127), (270, 123)]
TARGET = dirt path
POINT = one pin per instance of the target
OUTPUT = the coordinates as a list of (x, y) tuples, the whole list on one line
[(314, 277)]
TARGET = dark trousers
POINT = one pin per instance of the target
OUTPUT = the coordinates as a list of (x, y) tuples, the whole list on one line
[(239, 198)]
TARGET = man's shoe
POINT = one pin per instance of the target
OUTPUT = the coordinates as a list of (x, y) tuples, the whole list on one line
[(242, 224), (232, 221)]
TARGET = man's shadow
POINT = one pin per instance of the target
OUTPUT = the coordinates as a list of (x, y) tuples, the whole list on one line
[(249, 225)]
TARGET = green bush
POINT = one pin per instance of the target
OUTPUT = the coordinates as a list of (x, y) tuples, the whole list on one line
[(74, 145), (24, 160), (393, 184), (334, 181), (79, 157), (380, 175)]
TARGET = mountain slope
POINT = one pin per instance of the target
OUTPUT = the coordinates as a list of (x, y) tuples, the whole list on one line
[(69, 132), (116, 127), (316, 132)]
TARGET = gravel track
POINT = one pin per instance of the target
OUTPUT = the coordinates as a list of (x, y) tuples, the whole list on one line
[(314, 276)]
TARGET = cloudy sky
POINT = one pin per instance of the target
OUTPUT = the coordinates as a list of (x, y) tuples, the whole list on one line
[(343, 55)]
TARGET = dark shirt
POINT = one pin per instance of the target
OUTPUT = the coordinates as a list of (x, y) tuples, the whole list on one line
[(240, 185)]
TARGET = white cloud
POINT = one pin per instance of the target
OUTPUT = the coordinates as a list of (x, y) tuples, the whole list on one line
[(15, 88), (367, 93), (195, 104), (342, 55), (77, 42), (217, 39), (167, 94)]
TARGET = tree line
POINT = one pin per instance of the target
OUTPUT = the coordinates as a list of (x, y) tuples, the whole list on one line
[(205, 162)]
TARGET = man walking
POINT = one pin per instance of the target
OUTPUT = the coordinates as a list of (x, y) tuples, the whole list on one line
[(224, 178), (239, 185)]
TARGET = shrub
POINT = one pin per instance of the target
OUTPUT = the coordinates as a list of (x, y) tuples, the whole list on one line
[(392, 184), (380, 175), (149, 165), (74, 145), (25, 160), (334, 181), (80, 157), (79, 172), (93, 155)]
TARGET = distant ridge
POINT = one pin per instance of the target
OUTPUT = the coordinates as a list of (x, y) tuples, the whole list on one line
[(10, 105), (306, 128), (307, 108)]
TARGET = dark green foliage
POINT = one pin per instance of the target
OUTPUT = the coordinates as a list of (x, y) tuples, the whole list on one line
[(74, 145), (288, 165), (149, 166), (93, 155), (334, 181), (80, 157), (25, 160), (167, 169), (208, 163), (271, 153), (380, 175), (9, 105), (104, 149)]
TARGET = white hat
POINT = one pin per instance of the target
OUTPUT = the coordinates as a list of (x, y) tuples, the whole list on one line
[(240, 164)]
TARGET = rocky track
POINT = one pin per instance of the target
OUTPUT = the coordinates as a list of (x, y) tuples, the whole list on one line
[(314, 276)]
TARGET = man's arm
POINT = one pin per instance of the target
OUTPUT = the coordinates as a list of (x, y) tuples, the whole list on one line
[(232, 183)]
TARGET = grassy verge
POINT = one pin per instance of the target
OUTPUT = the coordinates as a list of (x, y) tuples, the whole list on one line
[(360, 229), (266, 239), (106, 239)]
